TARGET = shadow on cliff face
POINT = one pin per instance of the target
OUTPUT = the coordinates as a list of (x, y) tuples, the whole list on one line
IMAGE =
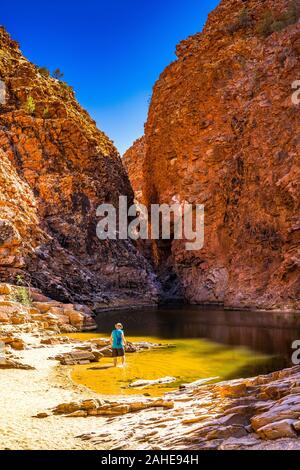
[(161, 258), (171, 288)]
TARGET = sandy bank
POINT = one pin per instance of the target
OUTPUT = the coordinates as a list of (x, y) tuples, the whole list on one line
[(23, 394)]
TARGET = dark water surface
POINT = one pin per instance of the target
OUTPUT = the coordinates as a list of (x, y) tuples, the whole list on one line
[(207, 343), (270, 333)]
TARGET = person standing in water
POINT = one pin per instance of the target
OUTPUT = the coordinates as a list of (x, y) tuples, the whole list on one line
[(118, 343)]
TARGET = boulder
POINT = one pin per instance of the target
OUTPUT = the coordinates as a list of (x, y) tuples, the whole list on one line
[(235, 443), (224, 432), (148, 383), (57, 311), (52, 341), (75, 318), (233, 390), (282, 410), (274, 391), (11, 364), (19, 319), (107, 408), (4, 318), (78, 414), (66, 408), (107, 351), (44, 306), (5, 289), (100, 342), (277, 430), (6, 339), (18, 344), (90, 404), (197, 383), (37, 296), (41, 415), (296, 426), (79, 357)]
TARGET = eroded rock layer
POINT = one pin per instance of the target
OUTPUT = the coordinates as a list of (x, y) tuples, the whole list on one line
[(258, 413), (223, 131), (56, 168)]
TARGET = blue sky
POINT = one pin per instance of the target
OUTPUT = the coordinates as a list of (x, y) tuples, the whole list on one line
[(111, 52)]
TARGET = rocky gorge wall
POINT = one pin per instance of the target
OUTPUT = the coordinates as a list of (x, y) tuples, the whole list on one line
[(223, 131), (56, 167)]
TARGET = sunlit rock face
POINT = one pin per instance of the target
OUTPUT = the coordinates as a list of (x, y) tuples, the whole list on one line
[(223, 131), (56, 167), (133, 161)]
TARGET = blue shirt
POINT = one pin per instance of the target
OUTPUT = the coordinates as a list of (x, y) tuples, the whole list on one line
[(117, 337)]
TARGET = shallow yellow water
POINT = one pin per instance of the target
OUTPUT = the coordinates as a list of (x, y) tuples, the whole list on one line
[(190, 360)]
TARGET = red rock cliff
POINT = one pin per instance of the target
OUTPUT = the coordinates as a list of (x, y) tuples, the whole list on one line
[(133, 161), (56, 168), (223, 131)]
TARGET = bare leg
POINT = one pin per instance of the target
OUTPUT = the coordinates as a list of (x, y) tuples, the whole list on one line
[(115, 361), (123, 360)]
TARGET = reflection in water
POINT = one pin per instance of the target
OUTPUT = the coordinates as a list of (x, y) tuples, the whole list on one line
[(267, 332), (208, 343)]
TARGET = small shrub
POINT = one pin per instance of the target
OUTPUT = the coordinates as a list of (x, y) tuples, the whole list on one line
[(264, 26), (293, 12), (58, 74), (277, 25), (66, 87), (30, 105), (44, 71), (243, 21), (20, 281), (21, 294), (271, 22), (46, 113), (244, 18)]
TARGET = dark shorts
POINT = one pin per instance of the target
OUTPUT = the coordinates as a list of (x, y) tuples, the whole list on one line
[(118, 352)]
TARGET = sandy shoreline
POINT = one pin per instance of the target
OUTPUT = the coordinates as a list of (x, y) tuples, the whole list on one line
[(208, 417), (24, 393)]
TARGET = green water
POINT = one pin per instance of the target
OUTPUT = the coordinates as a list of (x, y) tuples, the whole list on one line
[(208, 343)]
